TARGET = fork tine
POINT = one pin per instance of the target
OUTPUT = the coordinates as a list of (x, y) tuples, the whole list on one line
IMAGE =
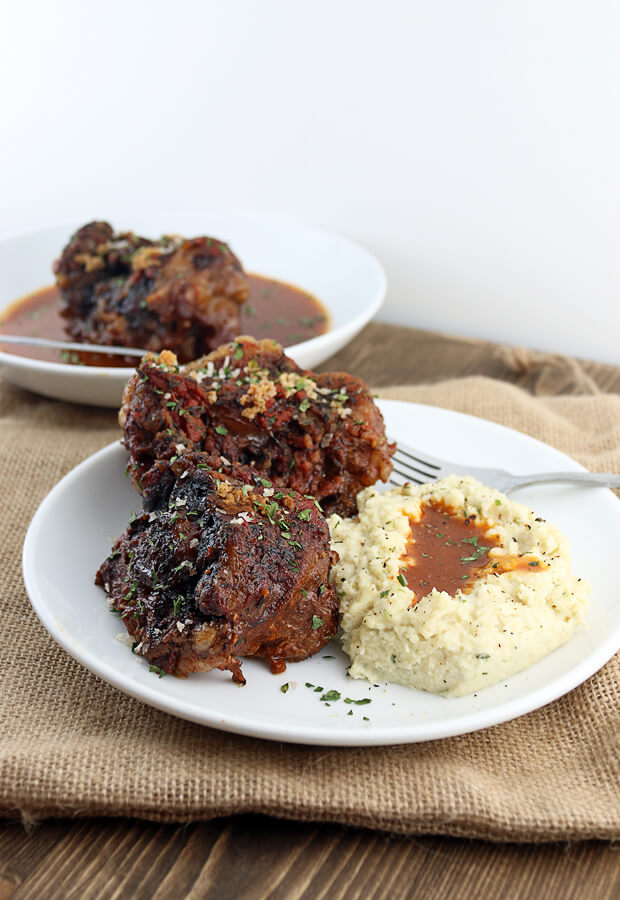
[(406, 460), (408, 477), (418, 459), (427, 476)]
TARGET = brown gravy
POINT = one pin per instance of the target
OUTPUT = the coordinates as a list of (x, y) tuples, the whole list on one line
[(274, 309), (448, 552)]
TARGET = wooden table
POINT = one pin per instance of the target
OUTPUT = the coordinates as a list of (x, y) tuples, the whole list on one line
[(256, 857)]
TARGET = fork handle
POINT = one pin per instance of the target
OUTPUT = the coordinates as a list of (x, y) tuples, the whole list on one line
[(602, 479)]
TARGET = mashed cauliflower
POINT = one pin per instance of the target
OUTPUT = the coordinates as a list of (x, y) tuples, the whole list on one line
[(518, 600)]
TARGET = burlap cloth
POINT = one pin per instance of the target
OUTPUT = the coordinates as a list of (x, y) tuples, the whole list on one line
[(72, 745)]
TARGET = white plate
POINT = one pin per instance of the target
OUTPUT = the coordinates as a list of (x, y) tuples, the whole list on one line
[(73, 530), (347, 280)]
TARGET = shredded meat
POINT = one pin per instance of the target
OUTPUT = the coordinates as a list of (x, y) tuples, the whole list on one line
[(222, 565), (321, 435), (129, 291)]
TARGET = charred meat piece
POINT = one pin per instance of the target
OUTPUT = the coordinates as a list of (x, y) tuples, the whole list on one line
[(318, 434), (220, 568), (129, 291)]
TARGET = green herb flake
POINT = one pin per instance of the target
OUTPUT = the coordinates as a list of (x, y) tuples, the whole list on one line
[(330, 696), (482, 656), (363, 702), (221, 429), (159, 672), (316, 622), (402, 580), (284, 687)]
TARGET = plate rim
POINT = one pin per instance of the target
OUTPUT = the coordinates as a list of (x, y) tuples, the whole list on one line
[(464, 724)]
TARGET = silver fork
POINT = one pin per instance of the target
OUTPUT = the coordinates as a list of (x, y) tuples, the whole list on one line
[(414, 465)]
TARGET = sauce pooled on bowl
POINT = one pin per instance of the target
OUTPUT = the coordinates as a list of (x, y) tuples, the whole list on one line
[(274, 309)]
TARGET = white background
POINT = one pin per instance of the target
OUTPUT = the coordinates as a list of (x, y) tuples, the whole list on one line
[(472, 145)]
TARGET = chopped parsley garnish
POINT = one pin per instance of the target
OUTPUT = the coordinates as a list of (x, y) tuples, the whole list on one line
[(304, 515), (303, 406), (316, 622), (330, 696), (284, 687), (402, 580), (159, 672), (221, 429), (358, 702)]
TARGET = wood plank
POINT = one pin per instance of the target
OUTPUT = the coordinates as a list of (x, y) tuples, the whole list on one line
[(255, 858)]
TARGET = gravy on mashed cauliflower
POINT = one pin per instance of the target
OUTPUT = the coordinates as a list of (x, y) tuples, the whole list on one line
[(450, 586)]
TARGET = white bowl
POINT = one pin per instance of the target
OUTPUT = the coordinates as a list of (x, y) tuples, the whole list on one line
[(345, 277)]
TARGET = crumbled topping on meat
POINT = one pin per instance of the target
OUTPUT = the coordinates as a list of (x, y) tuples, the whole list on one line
[(258, 395), (90, 262), (293, 382), (167, 359), (147, 256)]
